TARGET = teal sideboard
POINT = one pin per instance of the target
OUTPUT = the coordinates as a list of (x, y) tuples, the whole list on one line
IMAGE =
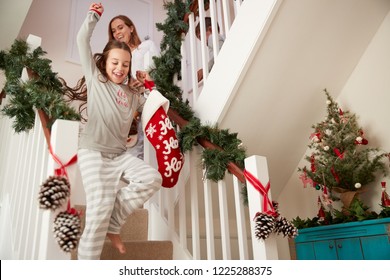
[(365, 240)]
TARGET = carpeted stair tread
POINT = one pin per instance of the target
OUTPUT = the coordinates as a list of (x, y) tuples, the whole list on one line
[(134, 234), (135, 228), (139, 250)]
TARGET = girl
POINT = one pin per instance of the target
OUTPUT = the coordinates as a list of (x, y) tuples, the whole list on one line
[(121, 28), (102, 156)]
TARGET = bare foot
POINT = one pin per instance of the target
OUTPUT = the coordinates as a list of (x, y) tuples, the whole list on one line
[(116, 242)]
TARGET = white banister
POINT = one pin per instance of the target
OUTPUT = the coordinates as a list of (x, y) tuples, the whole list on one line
[(203, 42), (209, 218), (241, 221), (194, 207), (226, 16), (64, 143), (224, 220), (25, 164), (194, 58), (199, 229), (258, 167)]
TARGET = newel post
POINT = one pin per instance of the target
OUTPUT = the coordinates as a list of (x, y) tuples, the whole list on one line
[(64, 143), (258, 167)]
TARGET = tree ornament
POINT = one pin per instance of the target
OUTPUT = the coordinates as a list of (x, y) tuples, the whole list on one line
[(67, 229), (285, 227), (385, 199), (306, 180), (54, 192), (315, 137), (360, 140), (318, 187), (358, 186), (265, 225), (325, 196), (326, 148)]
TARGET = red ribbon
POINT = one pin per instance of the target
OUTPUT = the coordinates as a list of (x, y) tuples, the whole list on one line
[(337, 178), (149, 84), (267, 204), (338, 153), (312, 166), (61, 171)]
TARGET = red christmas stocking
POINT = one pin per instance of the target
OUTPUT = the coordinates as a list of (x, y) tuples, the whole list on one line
[(160, 133)]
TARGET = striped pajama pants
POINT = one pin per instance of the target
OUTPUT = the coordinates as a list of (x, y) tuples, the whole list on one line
[(108, 205)]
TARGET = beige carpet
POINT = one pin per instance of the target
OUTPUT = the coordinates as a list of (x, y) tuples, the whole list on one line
[(134, 234)]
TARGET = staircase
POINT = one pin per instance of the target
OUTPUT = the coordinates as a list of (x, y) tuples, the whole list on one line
[(134, 234)]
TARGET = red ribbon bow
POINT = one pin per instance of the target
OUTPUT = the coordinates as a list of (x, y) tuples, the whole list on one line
[(339, 154), (267, 204), (61, 171), (149, 84)]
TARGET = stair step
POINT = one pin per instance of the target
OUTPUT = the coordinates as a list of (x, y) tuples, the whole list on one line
[(139, 250), (135, 228)]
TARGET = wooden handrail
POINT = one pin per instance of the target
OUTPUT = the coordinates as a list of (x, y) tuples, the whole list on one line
[(2, 95), (232, 167)]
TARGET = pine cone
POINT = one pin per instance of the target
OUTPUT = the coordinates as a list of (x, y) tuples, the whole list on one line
[(265, 225), (285, 227), (67, 230), (54, 192)]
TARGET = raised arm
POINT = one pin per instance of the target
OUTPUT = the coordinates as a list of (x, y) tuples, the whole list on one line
[(84, 37)]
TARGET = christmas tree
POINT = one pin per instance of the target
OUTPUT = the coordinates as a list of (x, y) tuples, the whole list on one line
[(341, 163)]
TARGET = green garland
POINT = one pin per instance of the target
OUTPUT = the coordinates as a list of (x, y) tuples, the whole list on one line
[(357, 212), (43, 93)]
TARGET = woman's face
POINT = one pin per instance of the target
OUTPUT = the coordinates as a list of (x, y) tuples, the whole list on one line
[(118, 65), (120, 31)]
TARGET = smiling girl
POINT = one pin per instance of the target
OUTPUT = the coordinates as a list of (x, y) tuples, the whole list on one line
[(102, 156)]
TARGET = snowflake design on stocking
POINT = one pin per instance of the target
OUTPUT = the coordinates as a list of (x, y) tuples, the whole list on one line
[(151, 130)]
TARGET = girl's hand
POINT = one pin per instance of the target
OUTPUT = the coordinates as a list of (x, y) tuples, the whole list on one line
[(142, 76), (97, 7), (135, 83)]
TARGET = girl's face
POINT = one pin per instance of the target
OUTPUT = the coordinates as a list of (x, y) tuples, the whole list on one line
[(120, 31), (118, 65)]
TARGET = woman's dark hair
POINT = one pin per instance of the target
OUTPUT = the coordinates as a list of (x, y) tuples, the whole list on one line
[(135, 41)]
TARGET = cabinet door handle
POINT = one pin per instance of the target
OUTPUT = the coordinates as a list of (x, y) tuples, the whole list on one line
[(330, 246), (339, 246)]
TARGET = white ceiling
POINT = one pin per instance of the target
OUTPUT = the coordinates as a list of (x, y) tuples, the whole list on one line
[(311, 45)]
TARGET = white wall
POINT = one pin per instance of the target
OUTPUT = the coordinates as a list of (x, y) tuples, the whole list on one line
[(11, 12), (366, 94)]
